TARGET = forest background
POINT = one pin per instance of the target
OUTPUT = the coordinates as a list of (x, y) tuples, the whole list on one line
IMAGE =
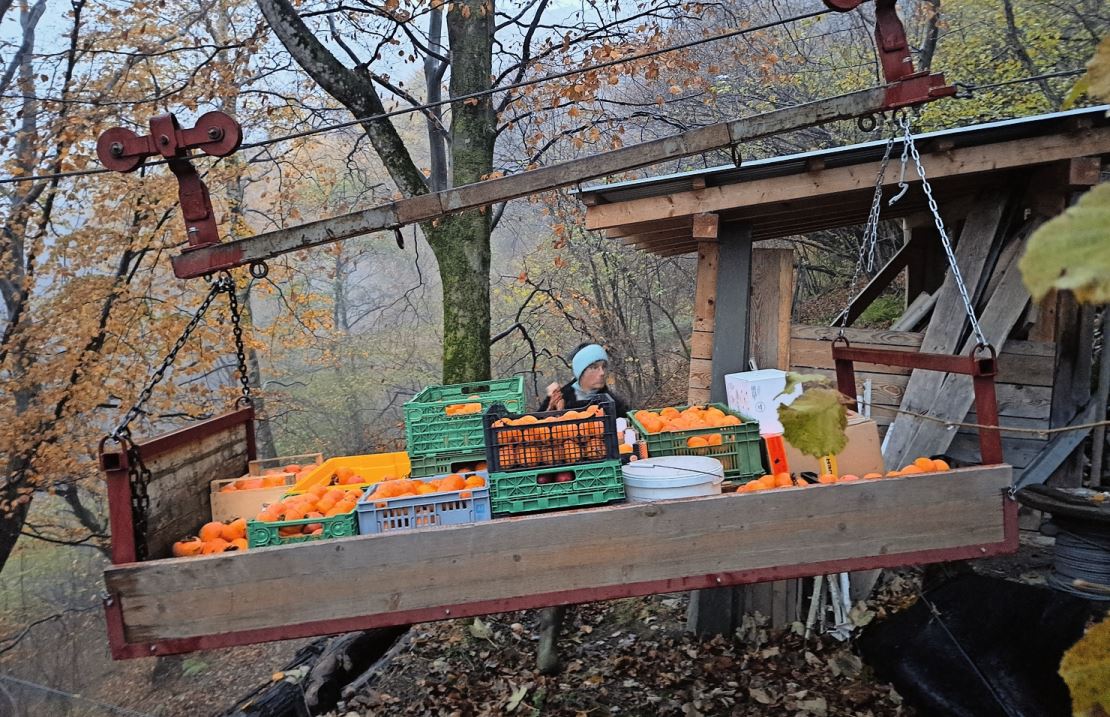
[(340, 337)]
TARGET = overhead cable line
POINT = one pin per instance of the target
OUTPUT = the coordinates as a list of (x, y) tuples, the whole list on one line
[(463, 98), (966, 88)]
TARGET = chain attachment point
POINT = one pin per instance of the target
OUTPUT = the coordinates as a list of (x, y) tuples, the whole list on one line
[(259, 269)]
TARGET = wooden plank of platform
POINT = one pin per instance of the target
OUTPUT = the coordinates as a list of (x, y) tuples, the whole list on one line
[(556, 558)]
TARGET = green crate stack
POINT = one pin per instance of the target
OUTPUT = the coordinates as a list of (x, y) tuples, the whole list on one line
[(261, 534), (741, 451), (440, 463), (433, 437), (593, 484)]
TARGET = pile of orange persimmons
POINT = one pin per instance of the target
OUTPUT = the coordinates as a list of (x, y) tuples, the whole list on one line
[(785, 480), (214, 537), (407, 488)]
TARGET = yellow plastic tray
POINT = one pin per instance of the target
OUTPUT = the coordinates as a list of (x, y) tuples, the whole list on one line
[(372, 468)]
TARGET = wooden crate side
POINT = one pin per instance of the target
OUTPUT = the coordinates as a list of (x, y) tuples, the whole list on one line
[(180, 483), (577, 555)]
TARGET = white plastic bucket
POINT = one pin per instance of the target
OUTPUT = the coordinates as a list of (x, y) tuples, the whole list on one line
[(672, 477)]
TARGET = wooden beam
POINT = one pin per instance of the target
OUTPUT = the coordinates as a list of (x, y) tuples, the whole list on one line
[(730, 339), (948, 323), (877, 285), (772, 296), (705, 312), (705, 226), (1057, 450), (985, 158), (915, 313), (956, 396), (562, 558), (198, 262), (1072, 381)]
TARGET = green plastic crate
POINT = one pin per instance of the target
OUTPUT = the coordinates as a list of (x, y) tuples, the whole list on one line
[(441, 463), (261, 534), (593, 484), (429, 430), (741, 451)]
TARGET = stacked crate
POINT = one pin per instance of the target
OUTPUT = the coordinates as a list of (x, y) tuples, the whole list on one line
[(553, 459), (443, 424), (739, 447)]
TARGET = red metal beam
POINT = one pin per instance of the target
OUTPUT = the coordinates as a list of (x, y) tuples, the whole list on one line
[(981, 368), (121, 649)]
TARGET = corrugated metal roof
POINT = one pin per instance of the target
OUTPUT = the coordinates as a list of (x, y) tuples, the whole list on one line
[(987, 133)]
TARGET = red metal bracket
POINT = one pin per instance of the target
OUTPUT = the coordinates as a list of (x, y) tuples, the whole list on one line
[(215, 134), (905, 87), (982, 370)]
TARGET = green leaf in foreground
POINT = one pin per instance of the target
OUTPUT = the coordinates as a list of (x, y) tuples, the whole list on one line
[(1072, 251), (1085, 668), (805, 379), (814, 423)]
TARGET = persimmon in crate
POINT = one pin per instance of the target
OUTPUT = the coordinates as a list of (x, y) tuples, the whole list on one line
[(320, 512), (243, 497), (551, 438), (712, 430), (361, 471), (451, 499), (299, 465), (212, 538)]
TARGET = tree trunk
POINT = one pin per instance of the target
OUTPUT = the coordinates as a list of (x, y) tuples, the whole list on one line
[(461, 242)]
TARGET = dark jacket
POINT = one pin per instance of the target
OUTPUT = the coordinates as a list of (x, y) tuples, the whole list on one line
[(571, 401)]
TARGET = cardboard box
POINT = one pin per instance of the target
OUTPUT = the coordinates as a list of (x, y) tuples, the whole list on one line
[(756, 395), (863, 454), (246, 503)]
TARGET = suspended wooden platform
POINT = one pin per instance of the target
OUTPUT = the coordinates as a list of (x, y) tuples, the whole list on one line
[(166, 606)]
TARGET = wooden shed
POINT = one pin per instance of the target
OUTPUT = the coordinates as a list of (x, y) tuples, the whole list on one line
[(994, 183)]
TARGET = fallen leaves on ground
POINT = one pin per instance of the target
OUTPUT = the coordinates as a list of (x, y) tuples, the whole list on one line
[(624, 657)]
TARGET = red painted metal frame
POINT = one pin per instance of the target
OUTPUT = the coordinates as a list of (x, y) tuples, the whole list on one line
[(215, 134), (121, 649), (905, 87), (981, 368), (114, 465)]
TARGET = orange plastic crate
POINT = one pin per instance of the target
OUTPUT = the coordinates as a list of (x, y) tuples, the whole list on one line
[(372, 467)]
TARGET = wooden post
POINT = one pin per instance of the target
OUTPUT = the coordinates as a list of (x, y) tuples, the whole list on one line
[(772, 296), (1071, 389), (925, 264), (705, 301), (720, 610), (733, 307)]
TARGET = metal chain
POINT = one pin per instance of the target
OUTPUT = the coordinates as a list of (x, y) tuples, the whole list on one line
[(980, 337), (133, 413), (138, 474), (870, 232), (237, 332)]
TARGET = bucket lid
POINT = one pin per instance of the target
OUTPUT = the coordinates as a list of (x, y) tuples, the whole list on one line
[(671, 467)]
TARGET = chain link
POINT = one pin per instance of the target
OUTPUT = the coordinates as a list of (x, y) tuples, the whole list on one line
[(870, 233), (980, 337), (138, 474), (237, 332)]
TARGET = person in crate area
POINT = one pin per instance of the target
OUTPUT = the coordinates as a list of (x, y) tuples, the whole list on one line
[(590, 364)]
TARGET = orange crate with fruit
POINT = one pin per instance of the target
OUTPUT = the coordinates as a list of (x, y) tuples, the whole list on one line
[(547, 439), (300, 463), (322, 511), (712, 430), (451, 499), (355, 471), (244, 497)]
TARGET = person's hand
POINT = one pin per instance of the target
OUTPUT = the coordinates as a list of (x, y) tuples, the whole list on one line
[(555, 398)]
